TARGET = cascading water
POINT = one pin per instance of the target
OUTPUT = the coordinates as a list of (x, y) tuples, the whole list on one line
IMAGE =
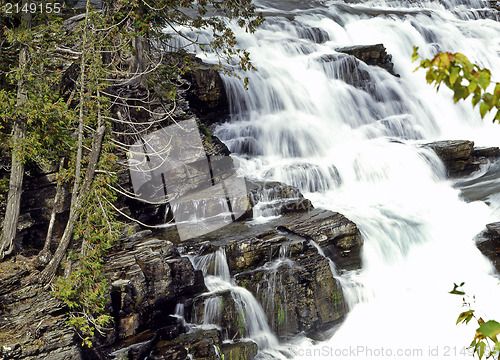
[(348, 136), (217, 279)]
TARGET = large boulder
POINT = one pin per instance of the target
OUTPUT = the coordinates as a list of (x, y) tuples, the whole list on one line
[(460, 157), (375, 55), (338, 237)]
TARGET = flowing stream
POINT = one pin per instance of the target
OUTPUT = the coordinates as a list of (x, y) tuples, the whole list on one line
[(355, 150)]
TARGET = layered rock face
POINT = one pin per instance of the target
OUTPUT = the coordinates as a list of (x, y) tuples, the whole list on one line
[(33, 323), (207, 95), (146, 279), (337, 236), (153, 284), (298, 294)]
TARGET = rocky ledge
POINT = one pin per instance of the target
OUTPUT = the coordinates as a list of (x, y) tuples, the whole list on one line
[(460, 157)]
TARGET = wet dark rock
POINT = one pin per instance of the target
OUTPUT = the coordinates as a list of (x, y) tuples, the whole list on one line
[(338, 237), (198, 345), (372, 55), (207, 97), (461, 158), (255, 251), (487, 152), (451, 150), (227, 314), (135, 347), (145, 281), (297, 293), (239, 350), (488, 242), (456, 156), (494, 229)]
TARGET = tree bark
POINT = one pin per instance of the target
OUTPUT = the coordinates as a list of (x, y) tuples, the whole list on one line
[(140, 62), (50, 270), (44, 255), (7, 241)]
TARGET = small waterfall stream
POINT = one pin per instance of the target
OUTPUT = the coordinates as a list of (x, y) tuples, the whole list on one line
[(217, 279), (348, 135)]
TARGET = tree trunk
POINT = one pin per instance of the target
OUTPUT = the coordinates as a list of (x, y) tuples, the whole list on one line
[(7, 245), (50, 270), (140, 63), (44, 255), (12, 210)]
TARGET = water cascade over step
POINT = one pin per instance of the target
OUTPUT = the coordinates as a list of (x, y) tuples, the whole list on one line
[(230, 307)]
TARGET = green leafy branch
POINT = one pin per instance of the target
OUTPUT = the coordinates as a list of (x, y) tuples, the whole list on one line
[(485, 340), (464, 78)]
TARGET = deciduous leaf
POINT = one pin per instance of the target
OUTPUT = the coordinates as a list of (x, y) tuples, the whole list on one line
[(445, 60), (466, 316), (480, 348), (455, 70), (456, 291), (490, 329), (476, 99), (460, 93), (472, 86), (497, 116), (483, 109), (484, 78)]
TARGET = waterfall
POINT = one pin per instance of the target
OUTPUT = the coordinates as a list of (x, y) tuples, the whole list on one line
[(217, 279), (348, 135)]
